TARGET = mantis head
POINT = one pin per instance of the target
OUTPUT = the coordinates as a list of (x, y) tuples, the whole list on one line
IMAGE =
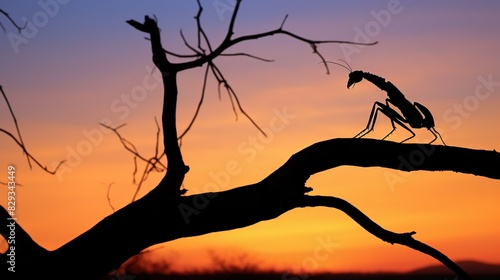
[(354, 77)]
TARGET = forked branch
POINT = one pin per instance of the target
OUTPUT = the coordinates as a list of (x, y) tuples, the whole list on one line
[(369, 225), (12, 21), (19, 140), (205, 53), (153, 163), (229, 42)]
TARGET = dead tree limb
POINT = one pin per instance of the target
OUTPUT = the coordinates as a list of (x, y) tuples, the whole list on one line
[(155, 219), (369, 225), (203, 56), (19, 139), (169, 72), (153, 163)]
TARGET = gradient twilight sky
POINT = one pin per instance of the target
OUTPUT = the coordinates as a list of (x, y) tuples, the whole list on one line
[(79, 64)]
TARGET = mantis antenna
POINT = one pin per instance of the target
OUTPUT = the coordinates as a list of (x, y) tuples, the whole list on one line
[(348, 67)]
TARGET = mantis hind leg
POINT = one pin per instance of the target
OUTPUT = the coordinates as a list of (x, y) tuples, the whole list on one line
[(405, 127), (393, 128), (436, 134), (395, 117), (392, 121), (371, 120)]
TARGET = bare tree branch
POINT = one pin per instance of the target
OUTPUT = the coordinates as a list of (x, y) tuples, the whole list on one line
[(129, 146), (202, 57), (198, 108), (198, 53), (201, 32), (153, 163), (215, 70), (283, 22), (364, 221), (223, 54), (229, 42), (13, 22), (109, 197), (15, 122), (6, 184), (230, 28), (232, 95), (181, 55), (20, 142), (248, 55)]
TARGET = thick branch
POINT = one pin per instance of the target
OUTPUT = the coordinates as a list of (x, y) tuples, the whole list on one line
[(405, 239), (25, 248), (176, 167), (155, 219), (406, 157)]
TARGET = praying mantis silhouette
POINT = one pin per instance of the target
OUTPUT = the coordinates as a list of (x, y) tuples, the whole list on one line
[(416, 114)]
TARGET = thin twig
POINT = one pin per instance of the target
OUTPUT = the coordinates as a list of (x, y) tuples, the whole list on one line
[(189, 46), (20, 142), (135, 171), (222, 54), (222, 82), (198, 108), (201, 32), (181, 55), (19, 28), (109, 197), (152, 164), (283, 22), (32, 157), (247, 55), (129, 146), (15, 122), (158, 131), (6, 184), (176, 54), (143, 178), (230, 28), (232, 94)]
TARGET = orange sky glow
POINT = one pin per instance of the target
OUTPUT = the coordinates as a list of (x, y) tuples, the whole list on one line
[(73, 73)]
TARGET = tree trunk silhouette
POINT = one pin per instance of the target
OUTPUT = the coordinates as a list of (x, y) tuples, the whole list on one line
[(164, 214)]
